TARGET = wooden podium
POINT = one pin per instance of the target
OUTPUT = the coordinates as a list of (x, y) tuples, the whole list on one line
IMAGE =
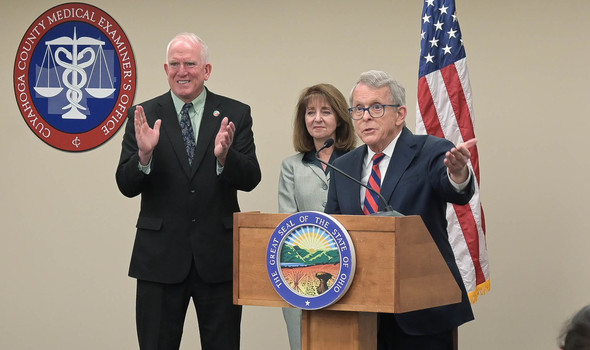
[(398, 269)]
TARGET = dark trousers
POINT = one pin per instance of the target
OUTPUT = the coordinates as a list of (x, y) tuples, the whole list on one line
[(391, 337), (161, 311)]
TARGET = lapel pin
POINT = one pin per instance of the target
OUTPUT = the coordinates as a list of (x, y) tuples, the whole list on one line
[(216, 113)]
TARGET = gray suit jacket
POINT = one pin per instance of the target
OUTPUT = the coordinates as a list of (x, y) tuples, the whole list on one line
[(302, 185)]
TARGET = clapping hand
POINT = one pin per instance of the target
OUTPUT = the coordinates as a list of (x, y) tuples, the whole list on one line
[(147, 138), (224, 139)]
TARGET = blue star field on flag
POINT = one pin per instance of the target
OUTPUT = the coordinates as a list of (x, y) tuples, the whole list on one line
[(441, 42)]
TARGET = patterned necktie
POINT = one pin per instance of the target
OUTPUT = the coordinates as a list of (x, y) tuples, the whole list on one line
[(371, 198), (187, 132)]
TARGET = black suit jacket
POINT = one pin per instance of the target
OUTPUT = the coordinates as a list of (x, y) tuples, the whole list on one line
[(187, 212), (416, 183)]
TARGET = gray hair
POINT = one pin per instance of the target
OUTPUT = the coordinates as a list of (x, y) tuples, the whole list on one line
[(195, 40), (377, 79)]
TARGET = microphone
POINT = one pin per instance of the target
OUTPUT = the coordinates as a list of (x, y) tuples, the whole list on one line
[(388, 209)]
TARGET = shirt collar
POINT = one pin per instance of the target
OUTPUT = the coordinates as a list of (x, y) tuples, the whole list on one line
[(309, 157), (388, 150), (198, 103)]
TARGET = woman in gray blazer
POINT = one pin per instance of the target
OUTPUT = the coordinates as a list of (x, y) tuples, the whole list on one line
[(321, 114)]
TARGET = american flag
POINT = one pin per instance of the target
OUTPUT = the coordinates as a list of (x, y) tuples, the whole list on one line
[(445, 110)]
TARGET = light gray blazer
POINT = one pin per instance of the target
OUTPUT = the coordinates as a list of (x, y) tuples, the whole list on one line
[(302, 186)]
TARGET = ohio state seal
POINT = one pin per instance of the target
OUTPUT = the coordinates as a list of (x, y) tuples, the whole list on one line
[(310, 260)]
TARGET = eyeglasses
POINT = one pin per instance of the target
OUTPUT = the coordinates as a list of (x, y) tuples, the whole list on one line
[(376, 110)]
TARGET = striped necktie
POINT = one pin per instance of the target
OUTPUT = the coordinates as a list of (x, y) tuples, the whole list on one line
[(371, 199), (187, 132)]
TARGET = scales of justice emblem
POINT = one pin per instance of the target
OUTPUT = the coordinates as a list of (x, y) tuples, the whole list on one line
[(74, 77), (75, 55)]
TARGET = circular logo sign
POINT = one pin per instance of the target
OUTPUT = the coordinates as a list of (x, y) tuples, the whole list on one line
[(74, 77), (310, 260)]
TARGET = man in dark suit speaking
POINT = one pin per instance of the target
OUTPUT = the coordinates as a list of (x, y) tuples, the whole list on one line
[(187, 153), (417, 175)]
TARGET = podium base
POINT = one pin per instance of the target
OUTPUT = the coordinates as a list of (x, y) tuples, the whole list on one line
[(342, 330)]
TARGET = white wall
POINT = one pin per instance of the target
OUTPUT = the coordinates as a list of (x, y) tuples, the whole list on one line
[(67, 232)]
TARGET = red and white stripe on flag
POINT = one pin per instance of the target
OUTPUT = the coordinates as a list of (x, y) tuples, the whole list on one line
[(444, 109)]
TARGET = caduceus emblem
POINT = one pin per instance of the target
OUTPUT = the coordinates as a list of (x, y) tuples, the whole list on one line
[(75, 55)]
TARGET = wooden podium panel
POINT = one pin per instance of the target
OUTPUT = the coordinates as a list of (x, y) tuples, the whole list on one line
[(323, 330), (398, 266)]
